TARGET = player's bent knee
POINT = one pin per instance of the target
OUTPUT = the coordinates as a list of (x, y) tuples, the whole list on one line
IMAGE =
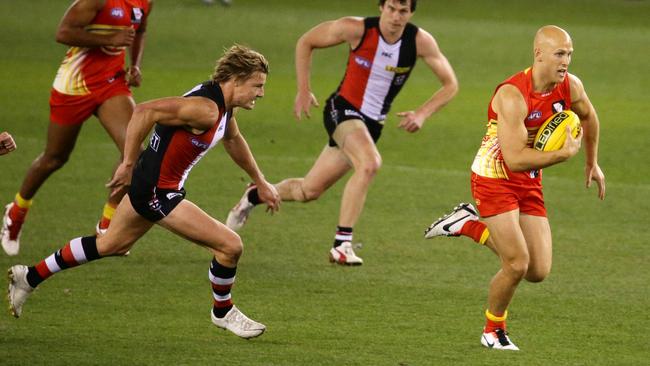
[(371, 167), (516, 268), (310, 194), (52, 162), (232, 248), (537, 276)]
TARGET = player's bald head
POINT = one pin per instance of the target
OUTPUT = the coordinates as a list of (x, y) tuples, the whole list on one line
[(551, 36)]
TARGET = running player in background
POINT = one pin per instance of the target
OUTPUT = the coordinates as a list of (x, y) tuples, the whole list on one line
[(7, 143), (383, 51), (185, 129), (506, 177), (91, 80)]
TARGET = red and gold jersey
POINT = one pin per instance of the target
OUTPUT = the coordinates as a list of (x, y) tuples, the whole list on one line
[(84, 69), (489, 158)]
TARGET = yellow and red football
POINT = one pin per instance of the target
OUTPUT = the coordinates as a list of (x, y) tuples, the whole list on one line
[(552, 133)]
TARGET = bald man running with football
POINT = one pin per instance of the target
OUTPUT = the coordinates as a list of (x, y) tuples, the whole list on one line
[(506, 174)]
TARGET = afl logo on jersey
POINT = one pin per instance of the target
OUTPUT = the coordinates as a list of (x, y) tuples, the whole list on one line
[(117, 13), (534, 115), (200, 144), (362, 62)]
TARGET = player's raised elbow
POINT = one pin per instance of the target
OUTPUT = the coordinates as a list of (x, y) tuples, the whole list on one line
[(64, 34), (452, 88), (61, 35)]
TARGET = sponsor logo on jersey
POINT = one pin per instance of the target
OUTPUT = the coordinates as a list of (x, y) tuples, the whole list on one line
[(200, 144), (362, 62), (172, 195), (534, 115), (117, 12), (558, 106), (397, 69), (399, 79), (350, 112), (386, 54), (136, 16), (154, 142)]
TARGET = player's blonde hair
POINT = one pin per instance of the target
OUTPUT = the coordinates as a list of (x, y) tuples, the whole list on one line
[(239, 62)]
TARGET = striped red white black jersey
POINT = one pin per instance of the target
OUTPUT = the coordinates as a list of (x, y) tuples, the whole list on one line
[(174, 151), (377, 70)]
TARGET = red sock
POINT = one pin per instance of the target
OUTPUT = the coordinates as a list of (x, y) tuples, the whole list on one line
[(107, 216), (491, 326), (476, 230), (17, 213), (494, 322)]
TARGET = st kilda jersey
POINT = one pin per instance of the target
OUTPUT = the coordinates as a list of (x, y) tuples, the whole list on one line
[(174, 151), (377, 70)]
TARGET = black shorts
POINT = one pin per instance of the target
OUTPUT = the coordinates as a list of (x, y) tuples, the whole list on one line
[(151, 202), (337, 110)]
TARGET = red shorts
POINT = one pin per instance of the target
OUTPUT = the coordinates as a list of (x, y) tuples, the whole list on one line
[(495, 196), (75, 109)]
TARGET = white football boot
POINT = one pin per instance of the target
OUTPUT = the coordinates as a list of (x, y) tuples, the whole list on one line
[(450, 224), (19, 290), (239, 214), (344, 254), (238, 323), (10, 246), (498, 340)]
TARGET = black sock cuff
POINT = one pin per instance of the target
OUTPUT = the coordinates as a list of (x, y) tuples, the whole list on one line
[(218, 270), (344, 229), (33, 278), (89, 244), (253, 197)]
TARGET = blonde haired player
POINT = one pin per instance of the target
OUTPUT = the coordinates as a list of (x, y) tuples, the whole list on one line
[(184, 130), (506, 174)]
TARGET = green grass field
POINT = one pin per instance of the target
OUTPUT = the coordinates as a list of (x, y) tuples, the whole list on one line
[(413, 302)]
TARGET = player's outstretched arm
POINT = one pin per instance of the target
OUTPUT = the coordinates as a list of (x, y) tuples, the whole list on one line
[(238, 149), (134, 75), (327, 34), (591, 127), (429, 51)]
